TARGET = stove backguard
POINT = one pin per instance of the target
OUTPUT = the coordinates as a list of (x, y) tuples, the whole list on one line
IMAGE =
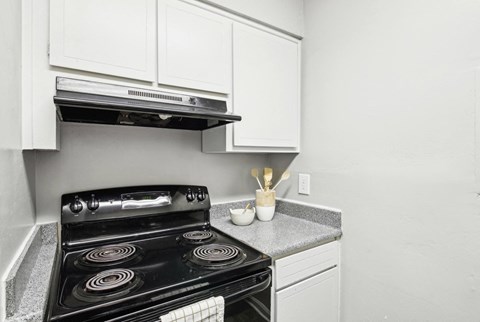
[(116, 215)]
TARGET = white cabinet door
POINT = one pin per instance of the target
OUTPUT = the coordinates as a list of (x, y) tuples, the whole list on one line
[(114, 37), (266, 88), (312, 300), (194, 47)]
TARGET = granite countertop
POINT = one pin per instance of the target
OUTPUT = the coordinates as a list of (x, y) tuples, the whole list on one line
[(294, 228), (28, 282)]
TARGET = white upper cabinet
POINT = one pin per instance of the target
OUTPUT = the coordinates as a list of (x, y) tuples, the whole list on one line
[(114, 37), (194, 47), (266, 94), (285, 15), (178, 45), (266, 88)]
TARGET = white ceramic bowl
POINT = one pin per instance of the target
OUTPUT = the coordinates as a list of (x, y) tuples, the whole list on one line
[(242, 219)]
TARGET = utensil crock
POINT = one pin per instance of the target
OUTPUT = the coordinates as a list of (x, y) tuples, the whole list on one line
[(265, 204)]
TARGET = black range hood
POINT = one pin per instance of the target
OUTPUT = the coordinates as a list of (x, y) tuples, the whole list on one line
[(83, 101)]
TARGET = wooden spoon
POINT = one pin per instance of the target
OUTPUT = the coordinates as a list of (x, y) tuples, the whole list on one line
[(284, 176), (247, 207), (254, 173), (267, 177)]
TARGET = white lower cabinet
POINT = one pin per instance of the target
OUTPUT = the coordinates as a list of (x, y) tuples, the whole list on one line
[(307, 285), (314, 299)]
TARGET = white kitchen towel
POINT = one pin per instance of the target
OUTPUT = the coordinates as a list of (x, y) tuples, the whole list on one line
[(209, 310)]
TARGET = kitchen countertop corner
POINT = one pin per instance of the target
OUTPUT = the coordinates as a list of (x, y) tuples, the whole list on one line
[(294, 227)]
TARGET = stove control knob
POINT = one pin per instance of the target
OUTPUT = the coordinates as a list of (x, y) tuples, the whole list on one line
[(93, 203), (76, 206), (190, 195), (201, 195)]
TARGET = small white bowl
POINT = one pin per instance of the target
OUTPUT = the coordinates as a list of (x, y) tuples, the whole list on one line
[(242, 219)]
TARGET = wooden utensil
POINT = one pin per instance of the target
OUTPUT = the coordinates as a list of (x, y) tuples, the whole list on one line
[(267, 177), (284, 177), (247, 207), (254, 173)]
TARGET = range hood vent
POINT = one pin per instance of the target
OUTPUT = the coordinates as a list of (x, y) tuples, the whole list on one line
[(155, 95), (83, 101)]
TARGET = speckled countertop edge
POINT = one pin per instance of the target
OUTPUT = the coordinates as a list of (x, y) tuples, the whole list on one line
[(17, 279), (294, 228), (27, 284)]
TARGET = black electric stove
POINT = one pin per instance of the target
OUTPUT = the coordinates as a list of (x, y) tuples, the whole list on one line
[(135, 253)]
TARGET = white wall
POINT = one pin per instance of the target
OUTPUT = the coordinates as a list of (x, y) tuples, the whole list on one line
[(16, 168), (104, 156), (389, 137), (283, 14)]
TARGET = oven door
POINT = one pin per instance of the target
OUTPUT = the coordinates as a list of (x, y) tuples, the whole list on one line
[(246, 299)]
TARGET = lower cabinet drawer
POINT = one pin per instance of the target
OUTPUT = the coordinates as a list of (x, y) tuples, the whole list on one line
[(297, 267), (315, 299)]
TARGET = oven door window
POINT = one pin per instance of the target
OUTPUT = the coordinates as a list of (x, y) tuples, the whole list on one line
[(255, 308)]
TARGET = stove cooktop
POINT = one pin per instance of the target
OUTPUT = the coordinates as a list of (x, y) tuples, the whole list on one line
[(153, 269), (124, 252)]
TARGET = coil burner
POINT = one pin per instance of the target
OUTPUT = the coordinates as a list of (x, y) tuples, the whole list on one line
[(216, 256), (198, 237), (108, 284), (109, 255)]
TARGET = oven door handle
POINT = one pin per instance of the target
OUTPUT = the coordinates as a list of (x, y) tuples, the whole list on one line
[(232, 292), (241, 294)]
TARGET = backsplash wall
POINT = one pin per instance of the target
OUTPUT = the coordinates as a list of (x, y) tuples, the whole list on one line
[(103, 156)]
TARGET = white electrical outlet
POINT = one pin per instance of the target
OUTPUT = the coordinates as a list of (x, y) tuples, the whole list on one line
[(304, 183)]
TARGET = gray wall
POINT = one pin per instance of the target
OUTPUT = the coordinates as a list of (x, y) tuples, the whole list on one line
[(16, 168), (102, 156), (389, 137)]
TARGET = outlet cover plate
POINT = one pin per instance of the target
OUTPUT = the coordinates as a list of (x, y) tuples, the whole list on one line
[(304, 183)]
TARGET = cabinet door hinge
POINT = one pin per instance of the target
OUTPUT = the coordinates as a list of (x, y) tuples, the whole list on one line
[(48, 49)]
